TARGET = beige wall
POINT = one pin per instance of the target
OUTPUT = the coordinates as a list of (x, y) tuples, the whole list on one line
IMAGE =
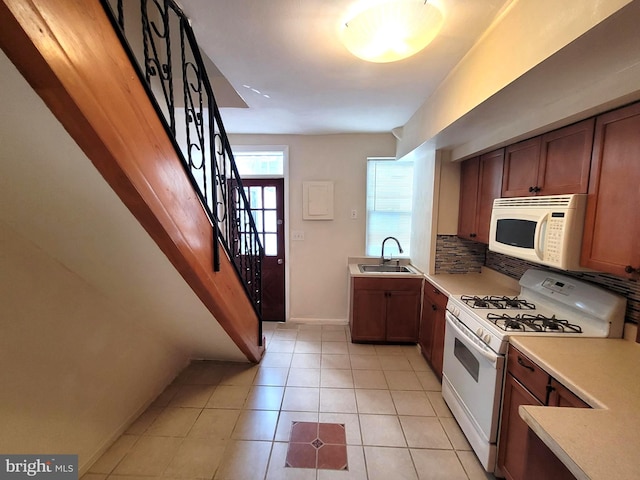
[(525, 36), (448, 195), (318, 265), (425, 168), (94, 320), (519, 80)]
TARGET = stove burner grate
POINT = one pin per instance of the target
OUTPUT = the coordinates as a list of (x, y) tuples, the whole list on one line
[(497, 302), (526, 322)]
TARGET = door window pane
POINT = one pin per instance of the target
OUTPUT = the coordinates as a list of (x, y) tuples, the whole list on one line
[(271, 244), (257, 218), (270, 221), (255, 197), (244, 221), (269, 197)]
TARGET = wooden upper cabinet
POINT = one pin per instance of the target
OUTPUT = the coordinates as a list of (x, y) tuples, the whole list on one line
[(480, 185), (469, 175), (565, 158), (489, 188), (611, 241), (555, 163), (521, 168)]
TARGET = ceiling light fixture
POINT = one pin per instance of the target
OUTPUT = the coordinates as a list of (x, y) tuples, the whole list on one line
[(392, 30)]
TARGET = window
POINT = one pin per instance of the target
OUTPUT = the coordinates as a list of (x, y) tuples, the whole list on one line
[(259, 161), (262, 168), (389, 200)]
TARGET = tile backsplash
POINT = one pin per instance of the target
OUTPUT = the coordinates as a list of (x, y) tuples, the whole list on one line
[(455, 255)]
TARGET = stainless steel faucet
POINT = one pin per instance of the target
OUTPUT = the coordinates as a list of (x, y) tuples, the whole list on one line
[(382, 259)]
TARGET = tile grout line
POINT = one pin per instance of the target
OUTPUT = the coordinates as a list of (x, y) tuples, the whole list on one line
[(407, 354)]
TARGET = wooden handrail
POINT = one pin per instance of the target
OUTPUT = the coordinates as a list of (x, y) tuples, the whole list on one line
[(69, 53)]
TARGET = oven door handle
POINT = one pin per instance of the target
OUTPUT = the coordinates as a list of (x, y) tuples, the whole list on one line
[(491, 356)]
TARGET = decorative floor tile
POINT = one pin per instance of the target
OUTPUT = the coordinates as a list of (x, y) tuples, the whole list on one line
[(317, 445)]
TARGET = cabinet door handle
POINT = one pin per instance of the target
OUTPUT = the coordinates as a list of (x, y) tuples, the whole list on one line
[(630, 269), (535, 189), (434, 308), (522, 364)]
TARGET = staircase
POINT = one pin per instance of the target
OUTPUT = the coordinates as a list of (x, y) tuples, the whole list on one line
[(149, 123)]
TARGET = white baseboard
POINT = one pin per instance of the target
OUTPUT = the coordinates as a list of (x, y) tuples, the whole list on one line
[(319, 321)]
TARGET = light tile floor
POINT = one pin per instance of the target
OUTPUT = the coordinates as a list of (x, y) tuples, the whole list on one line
[(226, 421)]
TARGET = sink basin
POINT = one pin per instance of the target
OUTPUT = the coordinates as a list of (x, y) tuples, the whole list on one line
[(384, 268)]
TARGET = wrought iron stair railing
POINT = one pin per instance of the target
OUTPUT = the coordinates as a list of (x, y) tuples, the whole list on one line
[(162, 47)]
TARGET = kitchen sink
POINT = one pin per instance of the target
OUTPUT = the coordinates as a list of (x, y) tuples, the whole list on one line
[(384, 269)]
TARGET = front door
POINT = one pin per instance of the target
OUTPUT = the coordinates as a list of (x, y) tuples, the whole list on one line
[(266, 199)]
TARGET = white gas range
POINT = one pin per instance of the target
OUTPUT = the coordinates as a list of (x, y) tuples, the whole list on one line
[(477, 336)]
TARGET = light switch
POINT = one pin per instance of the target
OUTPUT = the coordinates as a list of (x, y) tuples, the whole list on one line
[(354, 213), (297, 235)]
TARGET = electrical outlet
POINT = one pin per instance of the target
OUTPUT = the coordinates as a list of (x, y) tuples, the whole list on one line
[(297, 235)]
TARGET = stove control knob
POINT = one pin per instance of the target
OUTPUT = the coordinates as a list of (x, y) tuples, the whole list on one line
[(487, 338), (480, 332)]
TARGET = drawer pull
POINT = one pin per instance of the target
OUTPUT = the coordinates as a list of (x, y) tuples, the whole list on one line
[(522, 364)]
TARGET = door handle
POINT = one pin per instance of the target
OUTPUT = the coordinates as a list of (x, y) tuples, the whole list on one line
[(280, 261)]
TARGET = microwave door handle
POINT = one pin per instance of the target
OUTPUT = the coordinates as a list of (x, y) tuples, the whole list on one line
[(540, 235)]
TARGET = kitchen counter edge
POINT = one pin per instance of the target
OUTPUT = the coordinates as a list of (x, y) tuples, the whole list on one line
[(597, 443)]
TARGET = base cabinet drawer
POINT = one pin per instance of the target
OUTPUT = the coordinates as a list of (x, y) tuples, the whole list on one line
[(528, 373)]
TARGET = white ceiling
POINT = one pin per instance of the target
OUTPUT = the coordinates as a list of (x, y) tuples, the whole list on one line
[(290, 51)]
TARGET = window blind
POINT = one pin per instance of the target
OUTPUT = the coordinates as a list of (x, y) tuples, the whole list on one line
[(389, 201)]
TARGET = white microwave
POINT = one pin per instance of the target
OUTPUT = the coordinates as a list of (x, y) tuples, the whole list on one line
[(546, 230)]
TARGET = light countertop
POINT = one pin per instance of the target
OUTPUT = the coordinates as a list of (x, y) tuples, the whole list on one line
[(488, 282), (598, 443)]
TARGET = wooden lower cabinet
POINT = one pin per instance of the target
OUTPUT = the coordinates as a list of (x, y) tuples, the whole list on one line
[(521, 453), (369, 315), (514, 433), (561, 396), (432, 326), (385, 309)]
